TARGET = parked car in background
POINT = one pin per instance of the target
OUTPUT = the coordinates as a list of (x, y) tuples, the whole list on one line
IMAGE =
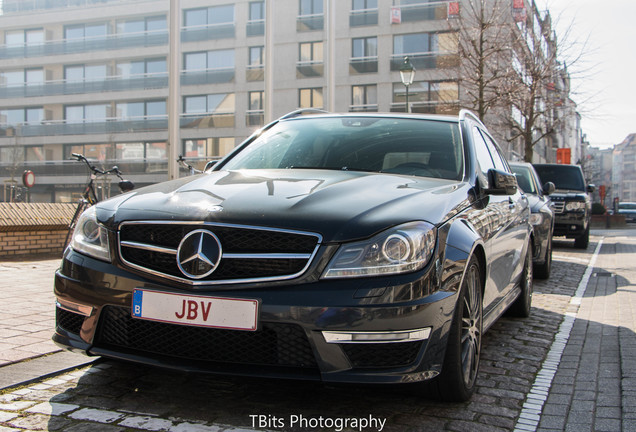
[(363, 248), (542, 217), (571, 201), (627, 209)]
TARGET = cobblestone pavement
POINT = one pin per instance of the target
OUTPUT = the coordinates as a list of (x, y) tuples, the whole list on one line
[(114, 396)]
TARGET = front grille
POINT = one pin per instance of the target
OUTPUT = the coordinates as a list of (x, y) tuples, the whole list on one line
[(249, 253), (275, 344), (69, 321), (558, 206), (382, 355)]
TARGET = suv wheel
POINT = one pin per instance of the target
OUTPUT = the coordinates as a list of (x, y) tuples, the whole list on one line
[(542, 271), (583, 240), (521, 307)]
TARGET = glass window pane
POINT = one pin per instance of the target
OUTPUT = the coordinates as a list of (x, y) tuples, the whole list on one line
[(15, 37), (34, 76), (482, 153), (34, 37), (195, 17), (156, 66), (95, 30), (131, 26), (222, 59), (358, 95), (305, 7), (34, 153), (98, 112), (221, 14), (156, 150), (372, 95), (305, 52), (371, 47), (130, 109), (195, 104), (317, 98), (95, 72), (12, 117), (317, 52), (74, 114), (156, 108), (357, 48), (74, 32), (256, 56), (34, 115), (74, 73), (196, 61), (410, 44), (156, 23), (12, 78), (256, 11), (256, 100)]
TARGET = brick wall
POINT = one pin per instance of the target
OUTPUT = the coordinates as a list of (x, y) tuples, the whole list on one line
[(33, 228)]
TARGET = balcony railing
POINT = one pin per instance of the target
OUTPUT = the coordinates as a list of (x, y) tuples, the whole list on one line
[(207, 76), (255, 28), (364, 108), (428, 107), (310, 69), (363, 64), (310, 22), (254, 118), (363, 17), (207, 32), (255, 73), (66, 168), (97, 126), (65, 87), (98, 43), (17, 6), (425, 11), (429, 60), (207, 120)]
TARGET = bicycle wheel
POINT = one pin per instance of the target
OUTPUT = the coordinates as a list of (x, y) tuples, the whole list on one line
[(82, 205)]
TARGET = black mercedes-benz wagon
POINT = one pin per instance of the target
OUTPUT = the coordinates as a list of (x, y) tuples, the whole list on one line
[(366, 248)]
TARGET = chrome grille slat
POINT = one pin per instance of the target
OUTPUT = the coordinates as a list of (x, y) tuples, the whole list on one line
[(250, 254)]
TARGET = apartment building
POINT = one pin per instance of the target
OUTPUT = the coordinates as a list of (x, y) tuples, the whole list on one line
[(624, 170), (92, 77)]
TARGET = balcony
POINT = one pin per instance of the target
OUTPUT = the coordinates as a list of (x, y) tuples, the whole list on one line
[(310, 22), (430, 60), (255, 73), (255, 118), (425, 11), (428, 107), (207, 76), (358, 65), (98, 126), (65, 168), (21, 6), (74, 46), (364, 108), (310, 69), (207, 32), (108, 84), (363, 17), (255, 28)]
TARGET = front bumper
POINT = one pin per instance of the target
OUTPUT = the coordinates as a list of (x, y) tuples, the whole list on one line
[(296, 327), (570, 225)]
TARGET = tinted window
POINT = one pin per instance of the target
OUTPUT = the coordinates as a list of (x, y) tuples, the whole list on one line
[(567, 177), (524, 179), (396, 146), (481, 150)]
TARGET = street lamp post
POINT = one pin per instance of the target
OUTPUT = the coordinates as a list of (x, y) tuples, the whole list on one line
[(407, 73)]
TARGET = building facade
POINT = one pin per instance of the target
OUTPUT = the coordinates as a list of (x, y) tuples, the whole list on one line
[(92, 77), (624, 170)]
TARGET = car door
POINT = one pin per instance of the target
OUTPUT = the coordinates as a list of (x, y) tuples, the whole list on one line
[(507, 234)]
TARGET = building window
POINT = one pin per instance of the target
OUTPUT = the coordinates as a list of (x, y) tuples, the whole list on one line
[(81, 73), (311, 7), (141, 67), (86, 113), (257, 11), (441, 97), (24, 77), (364, 97), (142, 25), (206, 111), (214, 15), (19, 116), (364, 4), (310, 15), (24, 37), (425, 50), (143, 109), (255, 63), (85, 31), (364, 55), (209, 60), (310, 98), (207, 147), (310, 59), (255, 114)]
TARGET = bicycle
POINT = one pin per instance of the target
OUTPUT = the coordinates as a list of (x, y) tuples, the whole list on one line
[(89, 196)]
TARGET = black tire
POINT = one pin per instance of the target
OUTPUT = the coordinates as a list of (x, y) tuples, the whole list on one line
[(542, 271), (81, 206), (521, 307), (583, 240), (456, 383)]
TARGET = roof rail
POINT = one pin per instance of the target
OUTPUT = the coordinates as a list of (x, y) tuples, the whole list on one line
[(467, 113), (302, 111)]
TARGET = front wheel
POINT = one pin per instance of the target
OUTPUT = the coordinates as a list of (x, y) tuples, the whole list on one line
[(583, 240), (542, 271), (456, 383)]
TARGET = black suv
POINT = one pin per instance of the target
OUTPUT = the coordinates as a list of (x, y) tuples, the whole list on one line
[(571, 202)]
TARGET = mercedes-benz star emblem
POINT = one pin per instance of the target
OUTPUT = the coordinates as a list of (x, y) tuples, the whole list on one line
[(199, 254)]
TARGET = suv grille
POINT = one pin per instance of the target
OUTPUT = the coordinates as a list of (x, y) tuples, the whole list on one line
[(249, 254), (275, 344), (558, 206)]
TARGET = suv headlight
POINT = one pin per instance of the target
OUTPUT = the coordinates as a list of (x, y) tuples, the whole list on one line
[(575, 206), (536, 219), (89, 237), (401, 249)]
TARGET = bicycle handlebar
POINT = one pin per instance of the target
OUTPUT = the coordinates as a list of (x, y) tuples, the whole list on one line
[(114, 170)]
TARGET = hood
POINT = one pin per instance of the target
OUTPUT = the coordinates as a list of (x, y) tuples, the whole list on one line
[(339, 205), (568, 193)]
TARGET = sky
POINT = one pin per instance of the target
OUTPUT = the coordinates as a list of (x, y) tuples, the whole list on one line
[(606, 95)]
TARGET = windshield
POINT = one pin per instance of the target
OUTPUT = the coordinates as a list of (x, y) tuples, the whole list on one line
[(524, 179), (372, 144), (627, 206), (568, 177)]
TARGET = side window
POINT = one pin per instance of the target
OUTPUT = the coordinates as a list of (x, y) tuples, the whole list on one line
[(481, 150), (499, 160)]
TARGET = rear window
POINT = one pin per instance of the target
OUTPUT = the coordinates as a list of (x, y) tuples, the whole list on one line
[(568, 177)]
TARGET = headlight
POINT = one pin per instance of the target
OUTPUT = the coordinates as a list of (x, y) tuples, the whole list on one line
[(401, 249), (575, 205), (90, 238), (536, 219)]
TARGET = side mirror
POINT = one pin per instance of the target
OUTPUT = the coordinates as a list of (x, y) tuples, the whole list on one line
[(591, 188), (549, 188), (209, 165), (501, 183), (126, 185)]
